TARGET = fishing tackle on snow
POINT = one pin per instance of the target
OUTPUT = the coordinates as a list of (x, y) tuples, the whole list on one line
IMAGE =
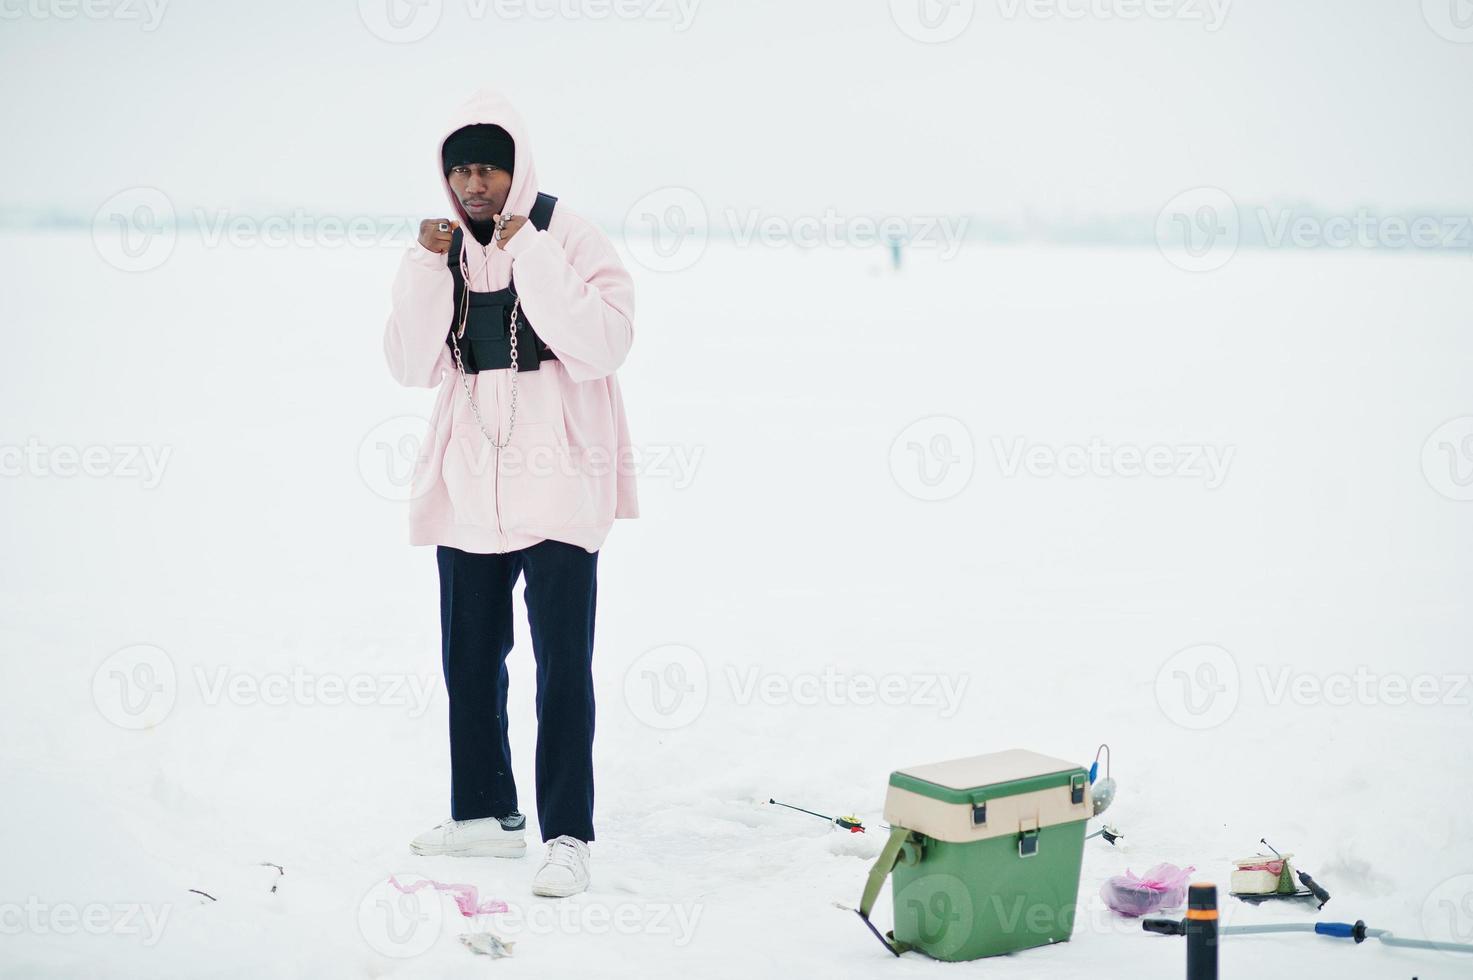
[(1358, 931), (275, 881), (1103, 791), (849, 823), (1102, 794), (1261, 878), (1201, 929), (280, 873)]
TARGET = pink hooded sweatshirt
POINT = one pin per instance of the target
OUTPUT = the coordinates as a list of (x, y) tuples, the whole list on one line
[(568, 471)]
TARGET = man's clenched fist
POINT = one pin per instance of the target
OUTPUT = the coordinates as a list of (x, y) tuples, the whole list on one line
[(431, 236), (509, 228)]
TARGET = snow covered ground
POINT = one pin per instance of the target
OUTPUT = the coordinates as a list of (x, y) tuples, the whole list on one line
[(218, 651)]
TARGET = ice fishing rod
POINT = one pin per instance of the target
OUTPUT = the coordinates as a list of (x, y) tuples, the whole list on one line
[(850, 823), (1358, 931), (1102, 793)]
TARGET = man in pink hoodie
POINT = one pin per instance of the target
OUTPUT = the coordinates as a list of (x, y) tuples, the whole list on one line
[(519, 312)]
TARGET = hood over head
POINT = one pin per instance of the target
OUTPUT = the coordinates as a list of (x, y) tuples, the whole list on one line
[(492, 108)]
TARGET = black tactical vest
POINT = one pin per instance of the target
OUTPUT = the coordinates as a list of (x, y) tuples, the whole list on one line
[(486, 343)]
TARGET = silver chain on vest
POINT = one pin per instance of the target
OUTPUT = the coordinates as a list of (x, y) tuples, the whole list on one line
[(459, 331)]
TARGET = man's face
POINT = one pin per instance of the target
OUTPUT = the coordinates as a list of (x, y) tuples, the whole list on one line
[(481, 189)]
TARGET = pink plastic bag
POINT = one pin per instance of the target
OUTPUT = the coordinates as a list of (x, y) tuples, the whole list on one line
[(465, 896), (1163, 887)]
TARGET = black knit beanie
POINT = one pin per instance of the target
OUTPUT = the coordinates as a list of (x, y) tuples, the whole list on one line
[(481, 143)]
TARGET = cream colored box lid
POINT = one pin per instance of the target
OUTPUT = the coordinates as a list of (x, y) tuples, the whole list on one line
[(989, 770)]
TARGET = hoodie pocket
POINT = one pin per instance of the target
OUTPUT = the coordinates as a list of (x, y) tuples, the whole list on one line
[(469, 470), (542, 488)]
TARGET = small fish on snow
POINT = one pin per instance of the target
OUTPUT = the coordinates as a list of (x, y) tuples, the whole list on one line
[(488, 943)]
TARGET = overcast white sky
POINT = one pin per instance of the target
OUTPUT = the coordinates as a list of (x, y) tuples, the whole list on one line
[(794, 106)]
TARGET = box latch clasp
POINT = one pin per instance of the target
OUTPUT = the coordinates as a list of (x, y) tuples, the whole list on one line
[(1028, 837), (979, 810)]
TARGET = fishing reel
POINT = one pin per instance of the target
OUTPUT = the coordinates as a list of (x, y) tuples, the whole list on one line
[(1102, 794)]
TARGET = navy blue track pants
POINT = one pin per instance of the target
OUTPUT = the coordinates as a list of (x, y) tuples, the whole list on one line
[(476, 636)]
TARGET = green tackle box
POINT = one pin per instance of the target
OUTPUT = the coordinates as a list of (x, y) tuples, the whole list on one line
[(985, 854)]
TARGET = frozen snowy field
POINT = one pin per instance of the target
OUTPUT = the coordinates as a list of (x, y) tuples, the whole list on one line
[(232, 576)]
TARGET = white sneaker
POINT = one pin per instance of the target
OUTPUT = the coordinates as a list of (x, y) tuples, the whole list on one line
[(485, 837), (565, 871)]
